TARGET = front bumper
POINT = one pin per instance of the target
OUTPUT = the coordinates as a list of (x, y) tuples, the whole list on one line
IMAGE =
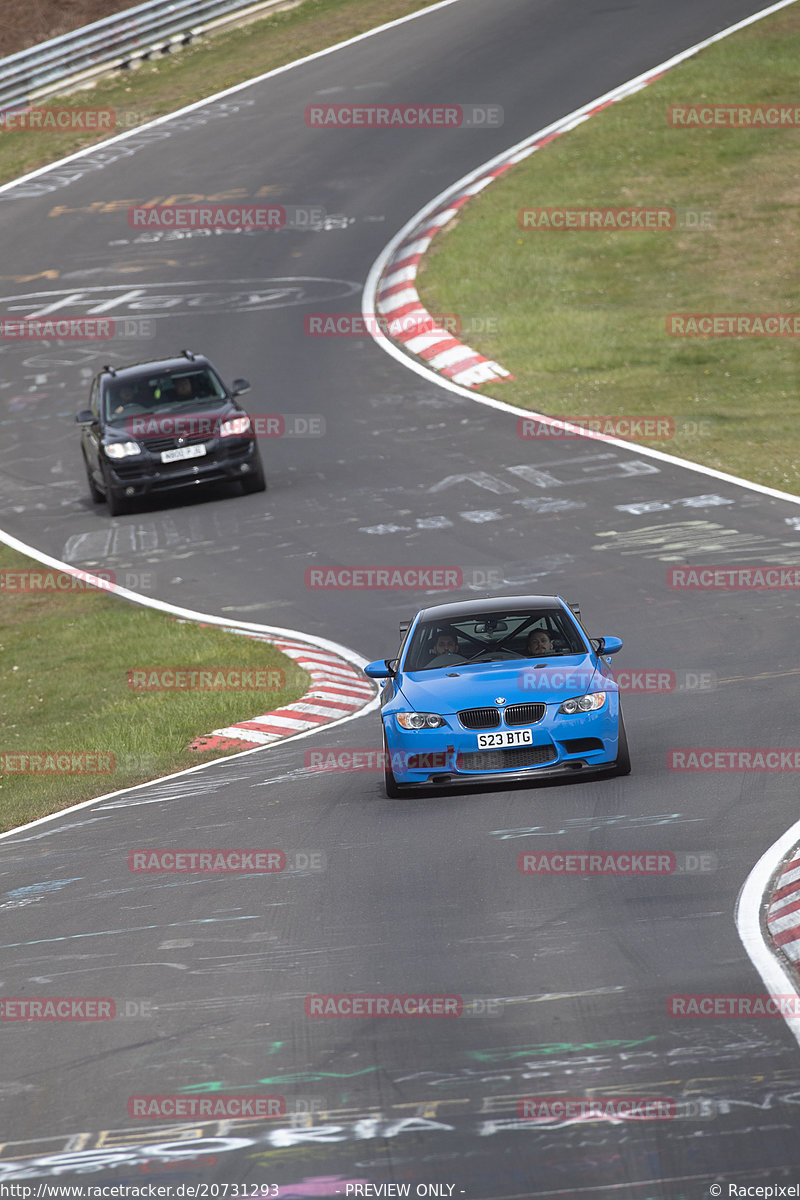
[(558, 770), (144, 474), (561, 745)]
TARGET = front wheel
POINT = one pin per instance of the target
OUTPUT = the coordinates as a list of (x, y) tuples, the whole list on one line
[(94, 490), (114, 500), (389, 782), (623, 763), (255, 481)]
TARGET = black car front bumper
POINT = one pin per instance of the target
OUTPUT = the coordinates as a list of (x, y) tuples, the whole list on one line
[(144, 473)]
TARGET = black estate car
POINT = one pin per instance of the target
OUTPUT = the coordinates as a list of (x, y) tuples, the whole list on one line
[(171, 423)]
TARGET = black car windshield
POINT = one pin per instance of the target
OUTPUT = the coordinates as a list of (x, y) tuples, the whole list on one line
[(163, 392), (493, 637)]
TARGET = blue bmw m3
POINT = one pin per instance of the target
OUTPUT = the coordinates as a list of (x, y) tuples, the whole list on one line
[(503, 689)]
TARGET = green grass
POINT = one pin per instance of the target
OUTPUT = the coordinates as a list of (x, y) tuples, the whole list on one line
[(210, 65), (64, 663), (579, 316)]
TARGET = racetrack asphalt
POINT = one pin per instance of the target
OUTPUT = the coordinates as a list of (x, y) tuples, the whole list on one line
[(417, 896)]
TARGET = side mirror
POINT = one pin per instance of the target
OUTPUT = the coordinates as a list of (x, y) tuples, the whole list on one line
[(382, 668), (240, 386), (608, 645), (85, 416)]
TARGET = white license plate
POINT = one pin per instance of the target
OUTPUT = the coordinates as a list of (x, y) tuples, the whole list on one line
[(505, 737), (183, 452)]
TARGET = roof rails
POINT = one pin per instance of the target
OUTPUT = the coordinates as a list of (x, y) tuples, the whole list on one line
[(110, 370), (188, 354)]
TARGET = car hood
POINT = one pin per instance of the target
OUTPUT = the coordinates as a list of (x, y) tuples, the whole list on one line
[(479, 685), (164, 422)]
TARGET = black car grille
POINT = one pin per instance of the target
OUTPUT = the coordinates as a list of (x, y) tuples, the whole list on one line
[(479, 718), (582, 745), (505, 760), (156, 444), (489, 718), (524, 714)]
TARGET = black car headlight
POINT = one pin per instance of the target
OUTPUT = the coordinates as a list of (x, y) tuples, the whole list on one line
[(583, 704), (121, 449), (235, 427), (420, 720)]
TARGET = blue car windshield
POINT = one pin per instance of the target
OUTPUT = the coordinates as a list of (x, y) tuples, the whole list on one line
[(493, 637)]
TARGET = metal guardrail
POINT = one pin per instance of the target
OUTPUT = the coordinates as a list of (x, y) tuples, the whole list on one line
[(116, 41)]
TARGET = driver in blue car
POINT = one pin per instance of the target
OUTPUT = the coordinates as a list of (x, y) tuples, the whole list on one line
[(539, 643), (445, 644), (444, 648)]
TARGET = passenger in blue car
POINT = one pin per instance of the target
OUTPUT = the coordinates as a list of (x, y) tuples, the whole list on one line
[(539, 643)]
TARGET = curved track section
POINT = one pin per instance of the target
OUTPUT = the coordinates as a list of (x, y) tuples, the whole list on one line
[(567, 979)]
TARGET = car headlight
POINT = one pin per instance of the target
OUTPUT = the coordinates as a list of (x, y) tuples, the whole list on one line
[(122, 449), (415, 720), (234, 427), (583, 704)]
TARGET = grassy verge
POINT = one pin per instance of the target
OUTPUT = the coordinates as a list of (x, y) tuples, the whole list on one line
[(580, 316), (160, 86), (64, 663)]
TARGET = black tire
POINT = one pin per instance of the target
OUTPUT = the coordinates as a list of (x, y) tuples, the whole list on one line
[(623, 763), (94, 490), (114, 500), (389, 782), (255, 481)]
